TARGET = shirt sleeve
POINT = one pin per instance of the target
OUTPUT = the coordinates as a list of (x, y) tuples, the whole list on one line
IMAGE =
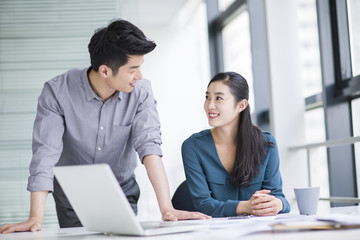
[(199, 188), (47, 142), (146, 125), (272, 178)]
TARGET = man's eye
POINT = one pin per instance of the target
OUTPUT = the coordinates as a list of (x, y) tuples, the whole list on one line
[(206, 97)]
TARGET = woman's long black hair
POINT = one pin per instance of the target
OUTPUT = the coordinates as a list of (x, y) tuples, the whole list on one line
[(250, 142)]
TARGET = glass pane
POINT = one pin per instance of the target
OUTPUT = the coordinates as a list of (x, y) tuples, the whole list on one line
[(315, 132), (237, 50), (319, 173), (355, 105), (224, 4), (315, 126), (354, 30), (309, 47)]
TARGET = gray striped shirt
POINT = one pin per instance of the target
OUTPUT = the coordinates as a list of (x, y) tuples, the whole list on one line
[(74, 126)]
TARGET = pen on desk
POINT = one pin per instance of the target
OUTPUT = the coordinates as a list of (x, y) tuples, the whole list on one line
[(242, 216)]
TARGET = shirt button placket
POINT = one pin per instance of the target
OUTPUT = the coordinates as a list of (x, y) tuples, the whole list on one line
[(101, 134)]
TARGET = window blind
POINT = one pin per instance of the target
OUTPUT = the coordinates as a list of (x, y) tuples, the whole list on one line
[(38, 40)]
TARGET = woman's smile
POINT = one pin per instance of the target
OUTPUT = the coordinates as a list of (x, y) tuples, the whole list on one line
[(213, 115)]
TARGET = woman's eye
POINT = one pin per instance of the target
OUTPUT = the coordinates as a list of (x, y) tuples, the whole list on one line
[(206, 97), (218, 98)]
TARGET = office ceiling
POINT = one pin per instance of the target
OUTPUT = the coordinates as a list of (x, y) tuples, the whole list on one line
[(150, 12)]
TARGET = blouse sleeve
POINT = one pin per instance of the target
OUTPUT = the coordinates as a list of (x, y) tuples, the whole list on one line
[(198, 186)]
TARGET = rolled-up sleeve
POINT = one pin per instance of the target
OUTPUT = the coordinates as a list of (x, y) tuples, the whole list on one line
[(47, 141), (146, 125)]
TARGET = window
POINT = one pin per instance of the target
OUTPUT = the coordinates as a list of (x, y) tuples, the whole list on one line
[(224, 4), (355, 106), (353, 7), (309, 48), (312, 88), (345, 37), (315, 132), (329, 47), (229, 31), (315, 125), (237, 50), (340, 86)]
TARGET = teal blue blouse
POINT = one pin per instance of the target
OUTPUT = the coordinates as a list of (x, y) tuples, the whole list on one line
[(209, 182)]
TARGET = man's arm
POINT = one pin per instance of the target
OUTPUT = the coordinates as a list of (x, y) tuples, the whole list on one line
[(33, 224), (156, 173)]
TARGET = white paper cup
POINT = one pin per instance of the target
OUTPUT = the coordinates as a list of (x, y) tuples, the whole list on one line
[(307, 199)]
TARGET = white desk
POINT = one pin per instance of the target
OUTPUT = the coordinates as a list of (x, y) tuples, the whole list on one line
[(83, 234)]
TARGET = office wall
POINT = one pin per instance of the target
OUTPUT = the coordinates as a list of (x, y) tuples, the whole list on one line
[(179, 72)]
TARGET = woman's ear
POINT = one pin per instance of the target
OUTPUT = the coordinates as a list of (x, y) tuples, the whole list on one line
[(242, 105)]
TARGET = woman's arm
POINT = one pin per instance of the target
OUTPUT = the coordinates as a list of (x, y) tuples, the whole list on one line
[(197, 182), (272, 178), (264, 204)]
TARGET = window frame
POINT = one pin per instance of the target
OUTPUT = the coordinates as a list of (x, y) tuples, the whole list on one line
[(339, 86), (347, 85), (216, 22)]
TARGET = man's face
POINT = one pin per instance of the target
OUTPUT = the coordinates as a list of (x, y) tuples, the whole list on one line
[(127, 76)]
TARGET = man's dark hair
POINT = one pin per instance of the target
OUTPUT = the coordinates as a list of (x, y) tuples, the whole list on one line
[(111, 45)]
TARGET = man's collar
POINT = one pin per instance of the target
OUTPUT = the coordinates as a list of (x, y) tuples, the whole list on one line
[(90, 94)]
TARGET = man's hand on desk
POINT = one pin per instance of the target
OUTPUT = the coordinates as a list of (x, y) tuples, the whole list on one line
[(32, 225), (174, 215)]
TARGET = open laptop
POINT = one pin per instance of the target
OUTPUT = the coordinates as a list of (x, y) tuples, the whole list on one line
[(102, 206)]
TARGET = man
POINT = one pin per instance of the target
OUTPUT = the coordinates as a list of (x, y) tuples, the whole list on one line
[(103, 114)]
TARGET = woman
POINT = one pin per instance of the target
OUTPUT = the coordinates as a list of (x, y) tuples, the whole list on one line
[(232, 169)]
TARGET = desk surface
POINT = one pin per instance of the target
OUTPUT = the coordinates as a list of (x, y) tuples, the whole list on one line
[(230, 233)]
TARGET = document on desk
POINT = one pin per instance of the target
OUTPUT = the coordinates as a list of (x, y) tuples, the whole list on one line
[(229, 228), (235, 227), (311, 222), (341, 220), (301, 225)]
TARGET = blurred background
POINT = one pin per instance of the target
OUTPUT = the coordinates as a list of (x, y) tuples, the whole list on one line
[(300, 57)]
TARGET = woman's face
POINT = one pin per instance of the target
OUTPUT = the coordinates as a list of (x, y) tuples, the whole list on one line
[(220, 105)]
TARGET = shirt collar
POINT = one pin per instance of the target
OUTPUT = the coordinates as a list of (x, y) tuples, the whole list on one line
[(121, 94), (90, 94)]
